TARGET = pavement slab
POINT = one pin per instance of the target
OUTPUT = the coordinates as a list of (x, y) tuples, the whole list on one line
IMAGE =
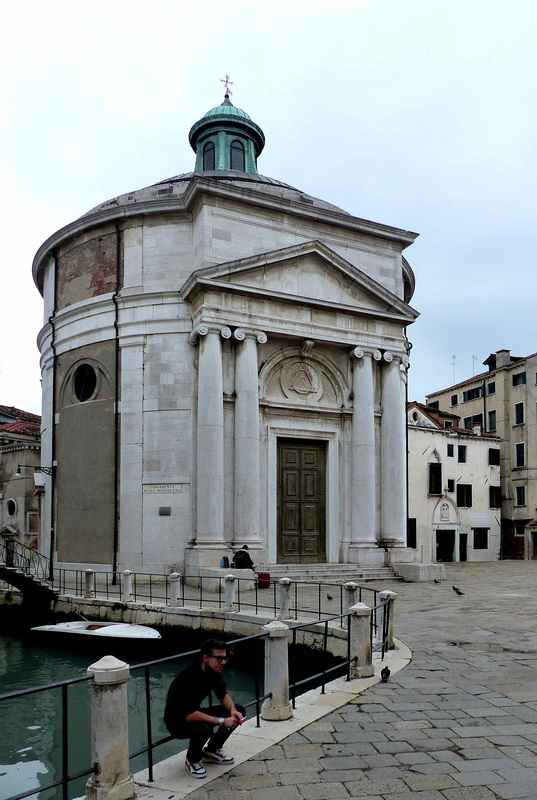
[(457, 723)]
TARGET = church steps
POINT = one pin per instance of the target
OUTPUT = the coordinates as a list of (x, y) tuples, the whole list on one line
[(333, 572)]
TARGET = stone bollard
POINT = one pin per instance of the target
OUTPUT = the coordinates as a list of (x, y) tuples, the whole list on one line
[(175, 585), (126, 586), (278, 706), (360, 636), (90, 583), (285, 598), (350, 592), (229, 588), (388, 596), (109, 731)]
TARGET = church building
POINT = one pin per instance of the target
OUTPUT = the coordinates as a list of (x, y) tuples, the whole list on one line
[(224, 362)]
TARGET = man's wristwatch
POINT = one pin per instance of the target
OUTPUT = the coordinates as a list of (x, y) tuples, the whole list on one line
[(220, 721)]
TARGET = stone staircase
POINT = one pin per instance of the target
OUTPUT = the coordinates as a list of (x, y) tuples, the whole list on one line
[(336, 573)]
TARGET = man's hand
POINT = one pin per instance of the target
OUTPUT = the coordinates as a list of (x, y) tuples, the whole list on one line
[(234, 720)]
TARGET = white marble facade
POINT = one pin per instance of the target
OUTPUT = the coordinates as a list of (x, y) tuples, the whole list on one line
[(247, 314)]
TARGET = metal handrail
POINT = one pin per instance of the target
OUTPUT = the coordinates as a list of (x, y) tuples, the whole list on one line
[(18, 556)]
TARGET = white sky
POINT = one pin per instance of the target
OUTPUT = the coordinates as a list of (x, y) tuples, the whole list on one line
[(415, 113)]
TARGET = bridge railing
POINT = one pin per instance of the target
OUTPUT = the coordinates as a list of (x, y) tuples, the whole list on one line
[(15, 555)]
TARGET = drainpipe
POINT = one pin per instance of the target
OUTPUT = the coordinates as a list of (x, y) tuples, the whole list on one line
[(51, 321), (116, 409), (408, 349), (484, 427)]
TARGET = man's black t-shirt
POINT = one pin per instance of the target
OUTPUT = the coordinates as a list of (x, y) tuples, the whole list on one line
[(187, 692)]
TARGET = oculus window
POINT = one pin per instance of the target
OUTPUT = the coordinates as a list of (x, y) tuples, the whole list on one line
[(11, 507), (84, 382)]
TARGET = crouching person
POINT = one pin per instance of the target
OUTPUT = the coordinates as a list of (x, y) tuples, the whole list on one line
[(206, 728)]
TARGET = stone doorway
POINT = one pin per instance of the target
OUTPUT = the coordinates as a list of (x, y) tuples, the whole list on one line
[(301, 501)]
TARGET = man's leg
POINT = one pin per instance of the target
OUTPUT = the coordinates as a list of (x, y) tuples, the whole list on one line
[(221, 734), (198, 732)]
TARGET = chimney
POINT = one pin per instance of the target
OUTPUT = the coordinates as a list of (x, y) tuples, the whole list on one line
[(503, 358), (477, 430)]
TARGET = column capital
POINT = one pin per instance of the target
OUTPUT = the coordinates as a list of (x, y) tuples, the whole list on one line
[(240, 334), (360, 352), (203, 329)]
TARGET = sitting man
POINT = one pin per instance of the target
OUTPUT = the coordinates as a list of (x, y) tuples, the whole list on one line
[(184, 717), (242, 559)]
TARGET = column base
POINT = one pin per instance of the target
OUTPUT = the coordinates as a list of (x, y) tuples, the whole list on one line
[(363, 672), (370, 555), (123, 790), (269, 712)]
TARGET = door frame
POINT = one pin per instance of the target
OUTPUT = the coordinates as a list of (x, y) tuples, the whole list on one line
[(291, 431)]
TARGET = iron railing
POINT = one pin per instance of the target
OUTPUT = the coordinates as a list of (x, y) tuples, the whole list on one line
[(15, 555), (318, 679)]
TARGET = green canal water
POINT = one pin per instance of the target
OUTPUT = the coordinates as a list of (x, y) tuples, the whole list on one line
[(31, 727)]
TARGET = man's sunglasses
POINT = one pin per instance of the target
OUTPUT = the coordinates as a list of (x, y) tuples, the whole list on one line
[(220, 659)]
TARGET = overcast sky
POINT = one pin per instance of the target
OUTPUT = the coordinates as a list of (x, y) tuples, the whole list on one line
[(415, 113)]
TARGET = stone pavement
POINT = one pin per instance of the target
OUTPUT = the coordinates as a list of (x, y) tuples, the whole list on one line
[(459, 723)]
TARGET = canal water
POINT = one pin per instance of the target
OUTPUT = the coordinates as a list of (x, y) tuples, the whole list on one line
[(31, 727)]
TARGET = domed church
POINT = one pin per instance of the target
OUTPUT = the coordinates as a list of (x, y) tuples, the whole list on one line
[(224, 363)]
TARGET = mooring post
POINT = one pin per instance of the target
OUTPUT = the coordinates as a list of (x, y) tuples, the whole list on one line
[(229, 597), (350, 591), (360, 638), (276, 707), (285, 598), (112, 779), (175, 583), (90, 583), (126, 586), (389, 597)]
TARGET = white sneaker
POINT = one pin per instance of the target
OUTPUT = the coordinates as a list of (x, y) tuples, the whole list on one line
[(218, 757), (195, 769)]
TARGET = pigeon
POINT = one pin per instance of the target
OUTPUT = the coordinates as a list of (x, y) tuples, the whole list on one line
[(457, 591), (436, 580), (329, 597), (385, 674)]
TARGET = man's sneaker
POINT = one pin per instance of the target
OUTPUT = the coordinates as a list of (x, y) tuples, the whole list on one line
[(195, 769), (218, 757)]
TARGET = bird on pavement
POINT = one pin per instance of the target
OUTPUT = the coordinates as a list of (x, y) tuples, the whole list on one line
[(385, 674), (457, 591), (436, 580), (329, 597)]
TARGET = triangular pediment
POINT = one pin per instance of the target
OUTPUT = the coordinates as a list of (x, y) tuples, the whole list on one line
[(307, 272)]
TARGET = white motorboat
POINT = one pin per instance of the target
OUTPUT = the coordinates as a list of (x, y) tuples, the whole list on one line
[(108, 630)]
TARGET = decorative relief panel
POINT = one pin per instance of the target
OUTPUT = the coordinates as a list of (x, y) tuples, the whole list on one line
[(300, 380)]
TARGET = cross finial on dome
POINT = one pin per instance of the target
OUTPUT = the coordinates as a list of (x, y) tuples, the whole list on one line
[(227, 81)]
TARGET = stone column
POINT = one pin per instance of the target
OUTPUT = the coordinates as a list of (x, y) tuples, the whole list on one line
[(278, 706), (210, 438), (350, 592), (393, 454), (359, 631), (109, 731), (246, 478), (126, 586), (363, 451)]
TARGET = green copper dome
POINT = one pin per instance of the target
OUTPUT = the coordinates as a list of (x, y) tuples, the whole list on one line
[(226, 138)]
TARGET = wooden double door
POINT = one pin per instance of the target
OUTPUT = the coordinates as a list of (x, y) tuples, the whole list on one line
[(301, 501)]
